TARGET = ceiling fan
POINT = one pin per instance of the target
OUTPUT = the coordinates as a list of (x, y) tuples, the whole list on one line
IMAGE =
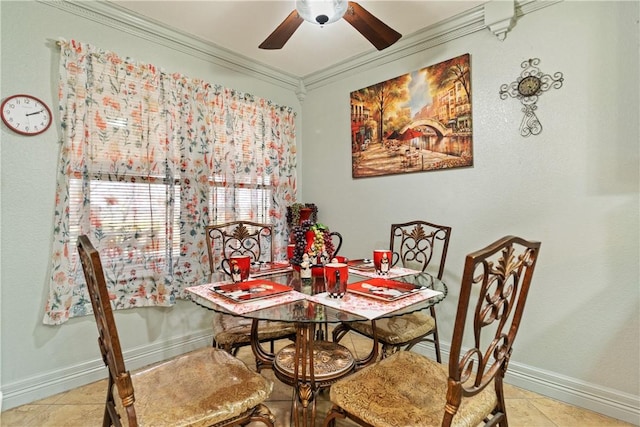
[(322, 12)]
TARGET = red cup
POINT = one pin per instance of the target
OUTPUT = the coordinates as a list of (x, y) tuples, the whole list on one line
[(238, 267), (336, 275), (340, 258), (290, 251), (382, 259)]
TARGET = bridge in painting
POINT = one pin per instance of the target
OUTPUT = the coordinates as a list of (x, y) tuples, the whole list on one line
[(439, 128)]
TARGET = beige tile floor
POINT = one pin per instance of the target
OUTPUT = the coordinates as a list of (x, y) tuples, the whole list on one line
[(84, 406)]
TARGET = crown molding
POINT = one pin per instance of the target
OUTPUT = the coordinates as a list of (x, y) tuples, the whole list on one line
[(434, 35), (444, 31), (114, 16), (499, 17)]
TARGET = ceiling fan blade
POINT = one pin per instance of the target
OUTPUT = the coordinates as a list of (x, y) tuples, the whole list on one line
[(377, 32), (285, 30)]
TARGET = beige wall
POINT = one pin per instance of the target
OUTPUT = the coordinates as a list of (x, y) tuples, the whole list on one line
[(574, 187), (39, 360)]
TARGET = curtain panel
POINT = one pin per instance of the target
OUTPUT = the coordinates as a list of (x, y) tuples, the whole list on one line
[(147, 159)]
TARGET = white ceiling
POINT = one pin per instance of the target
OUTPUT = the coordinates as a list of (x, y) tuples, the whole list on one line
[(240, 26)]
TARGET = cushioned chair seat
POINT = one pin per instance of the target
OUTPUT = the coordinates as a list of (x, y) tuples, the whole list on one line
[(186, 391), (398, 330), (233, 332), (410, 390)]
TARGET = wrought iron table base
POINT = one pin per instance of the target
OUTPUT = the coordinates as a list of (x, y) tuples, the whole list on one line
[(310, 365)]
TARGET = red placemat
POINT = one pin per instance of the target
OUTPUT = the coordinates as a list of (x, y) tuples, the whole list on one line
[(384, 289), (250, 290), (206, 292), (371, 308), (267, 268), (393, 272)]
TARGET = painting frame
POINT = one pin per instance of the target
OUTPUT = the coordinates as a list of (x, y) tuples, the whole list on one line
[(417, 122)]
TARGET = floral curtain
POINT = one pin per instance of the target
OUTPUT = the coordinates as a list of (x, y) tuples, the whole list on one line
[(142, 153)]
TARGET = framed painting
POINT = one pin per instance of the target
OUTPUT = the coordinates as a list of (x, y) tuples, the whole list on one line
[(420, 121)]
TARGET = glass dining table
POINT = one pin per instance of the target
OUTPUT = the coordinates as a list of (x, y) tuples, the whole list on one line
[(313, 362)]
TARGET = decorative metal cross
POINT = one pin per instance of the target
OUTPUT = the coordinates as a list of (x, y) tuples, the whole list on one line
[(527, 88)]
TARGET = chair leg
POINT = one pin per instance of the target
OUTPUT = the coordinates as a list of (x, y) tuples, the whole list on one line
[(436, 337), (388, 350), (263, 414), (109, 404), (334, 412), (339, 332), (106, 418), (436, 344), (228, 348), (435, 341), (501, 410)]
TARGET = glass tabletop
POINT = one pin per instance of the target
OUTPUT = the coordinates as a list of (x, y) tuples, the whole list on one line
[(312, 307)]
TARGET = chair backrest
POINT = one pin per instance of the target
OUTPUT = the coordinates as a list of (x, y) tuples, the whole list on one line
[(239, 238), (502, 274), (420, 245), (108, 340)]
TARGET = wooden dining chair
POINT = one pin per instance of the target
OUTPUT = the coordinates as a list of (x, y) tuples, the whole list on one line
[(422, 246), (204, 387), (408, 389), (231, 333)]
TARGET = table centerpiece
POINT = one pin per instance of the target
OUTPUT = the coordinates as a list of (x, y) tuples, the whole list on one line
[(298, 212), (313, 242)]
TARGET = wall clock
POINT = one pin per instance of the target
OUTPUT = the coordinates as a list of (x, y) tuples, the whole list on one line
[(527, 88), (25, 114)]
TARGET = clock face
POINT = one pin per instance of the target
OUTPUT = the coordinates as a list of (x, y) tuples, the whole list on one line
[(25, 114), (529, 86)]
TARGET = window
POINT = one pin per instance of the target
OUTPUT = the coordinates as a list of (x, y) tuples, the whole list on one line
[(247, 202), (119, 210), (148, 158)]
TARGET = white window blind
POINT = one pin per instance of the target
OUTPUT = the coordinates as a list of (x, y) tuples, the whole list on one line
[(131, 210), (241, 202)]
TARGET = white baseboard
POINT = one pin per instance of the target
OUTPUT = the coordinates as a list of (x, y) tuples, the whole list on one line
[(50, 383), (609, 402)]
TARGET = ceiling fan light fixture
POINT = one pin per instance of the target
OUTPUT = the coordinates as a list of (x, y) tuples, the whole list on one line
[(321, 12)]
